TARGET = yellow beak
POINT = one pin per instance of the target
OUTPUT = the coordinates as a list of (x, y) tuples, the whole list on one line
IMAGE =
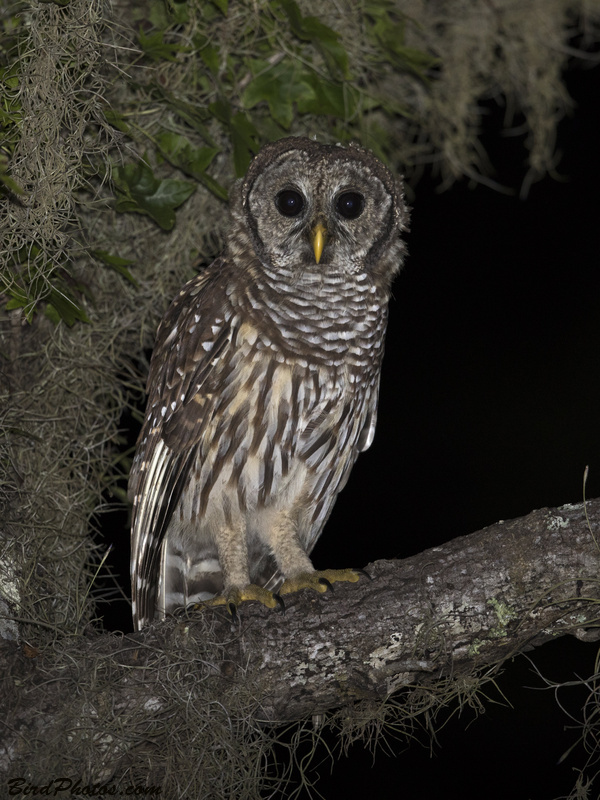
[(318, 240)]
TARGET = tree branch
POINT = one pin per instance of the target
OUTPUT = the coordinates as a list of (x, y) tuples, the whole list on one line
[(442, 614), (446, 611)]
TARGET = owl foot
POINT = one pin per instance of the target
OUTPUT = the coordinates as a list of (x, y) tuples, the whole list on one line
[(320, 580), (234, 597)]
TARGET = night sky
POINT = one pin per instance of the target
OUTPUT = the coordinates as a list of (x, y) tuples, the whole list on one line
[(489, 408)]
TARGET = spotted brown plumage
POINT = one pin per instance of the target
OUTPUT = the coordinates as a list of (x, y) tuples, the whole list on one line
[(264, 381)]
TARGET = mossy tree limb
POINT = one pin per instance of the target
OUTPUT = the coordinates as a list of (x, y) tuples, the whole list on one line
[(426, 627), (447, 611)]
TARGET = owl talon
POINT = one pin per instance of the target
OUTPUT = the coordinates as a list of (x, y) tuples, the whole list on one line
[(280, 604), (235, 597), (319, 580)]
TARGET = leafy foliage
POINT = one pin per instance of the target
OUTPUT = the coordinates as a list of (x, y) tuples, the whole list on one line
[(253, 79), (209, 82), (140, 191), (57, 295), (10, 107)]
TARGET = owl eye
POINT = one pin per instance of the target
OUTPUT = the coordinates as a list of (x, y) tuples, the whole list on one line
[(350, 205), (289, 203)]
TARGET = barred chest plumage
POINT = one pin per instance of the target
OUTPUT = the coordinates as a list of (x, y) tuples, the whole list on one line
[(294, 404), (329, 319)]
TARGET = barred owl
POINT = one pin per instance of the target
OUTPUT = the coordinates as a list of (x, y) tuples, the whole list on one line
[(264, 381)]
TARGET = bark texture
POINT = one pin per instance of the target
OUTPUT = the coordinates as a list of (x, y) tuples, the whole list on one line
[(446, 611)]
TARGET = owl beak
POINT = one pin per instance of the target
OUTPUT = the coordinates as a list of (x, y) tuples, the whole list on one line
[(318, 236)]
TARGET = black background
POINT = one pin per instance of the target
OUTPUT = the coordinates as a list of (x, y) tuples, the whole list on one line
[(489, 408)]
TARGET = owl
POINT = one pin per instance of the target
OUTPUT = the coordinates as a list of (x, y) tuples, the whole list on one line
[(264, 382)]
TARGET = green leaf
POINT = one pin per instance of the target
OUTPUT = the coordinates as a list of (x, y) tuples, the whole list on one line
[(244, 137), (194, 161), (391, 35), (116, 120), (5, 180), (18, 300), (294, 15), (181, 152), (10, 106), (328, 42), (160, 13), (178, 12), (415, 60), (155, 47), (139, 191), (213, 186), (9, 76), (333, 99), (207, 52), (18, 297), (11, 185), (281, 86), (192, 114), (221, 110), (324, 38), (289, 83), (61, 307), (117, 263), (221, 5)]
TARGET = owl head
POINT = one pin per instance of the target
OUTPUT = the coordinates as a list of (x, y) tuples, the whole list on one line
[(309, 207)]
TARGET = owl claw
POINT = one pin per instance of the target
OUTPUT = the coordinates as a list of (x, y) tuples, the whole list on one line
[(232, 608), (320, 580), (235, 597)]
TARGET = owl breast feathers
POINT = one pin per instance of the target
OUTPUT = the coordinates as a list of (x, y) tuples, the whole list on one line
[(264, 380)]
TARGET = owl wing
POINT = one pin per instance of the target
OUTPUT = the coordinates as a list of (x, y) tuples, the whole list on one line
[(188, 359)]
